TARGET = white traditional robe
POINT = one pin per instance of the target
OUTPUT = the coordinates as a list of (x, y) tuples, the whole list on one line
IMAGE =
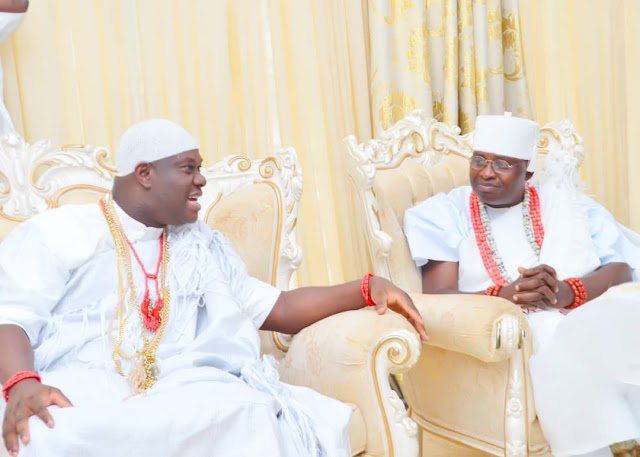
[(580, 410), (215, 396)]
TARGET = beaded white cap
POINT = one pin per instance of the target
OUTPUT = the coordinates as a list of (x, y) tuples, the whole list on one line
[(507, 136), (149, 141)]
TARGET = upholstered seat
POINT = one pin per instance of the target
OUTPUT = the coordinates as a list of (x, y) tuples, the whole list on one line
[(336, 356)]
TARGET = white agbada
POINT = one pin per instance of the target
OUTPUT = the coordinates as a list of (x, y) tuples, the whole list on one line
[(584, 400), (215, 396)]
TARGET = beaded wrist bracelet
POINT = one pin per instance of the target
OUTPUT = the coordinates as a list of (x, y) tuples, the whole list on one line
[(579, 292), (493, 291), (364, 287), (15, 379)]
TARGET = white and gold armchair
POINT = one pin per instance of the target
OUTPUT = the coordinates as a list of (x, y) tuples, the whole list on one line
[(471, 383), (348, 356)]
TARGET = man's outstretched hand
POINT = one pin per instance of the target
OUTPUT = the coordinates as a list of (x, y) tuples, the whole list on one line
[(388, 296)]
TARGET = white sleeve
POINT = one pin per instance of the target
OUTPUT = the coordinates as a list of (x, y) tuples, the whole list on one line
[(258, 300), (609, 239), (432, 229), (32, 279), (254, 297)]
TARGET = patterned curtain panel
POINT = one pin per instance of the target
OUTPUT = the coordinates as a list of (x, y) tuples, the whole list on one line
[(453, 58)]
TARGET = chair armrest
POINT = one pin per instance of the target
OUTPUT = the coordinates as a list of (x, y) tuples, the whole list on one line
[(487, 328), (349, 357)]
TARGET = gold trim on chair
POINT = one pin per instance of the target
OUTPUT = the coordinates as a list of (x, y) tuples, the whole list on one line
[(399, 355), (54, 202), (211, 207), (276, 257), (11, 218)]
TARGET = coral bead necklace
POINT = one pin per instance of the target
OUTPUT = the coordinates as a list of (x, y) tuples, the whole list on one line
[(485, 240)]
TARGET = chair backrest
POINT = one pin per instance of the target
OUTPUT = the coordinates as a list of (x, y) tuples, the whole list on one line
[(413, 160), (240, 196)]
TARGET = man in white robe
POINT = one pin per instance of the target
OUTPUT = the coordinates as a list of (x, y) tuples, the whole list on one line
[(493, 237), (142, 323)]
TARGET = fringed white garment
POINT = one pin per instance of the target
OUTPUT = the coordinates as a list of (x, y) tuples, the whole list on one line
[(215, 395), (585, 365)]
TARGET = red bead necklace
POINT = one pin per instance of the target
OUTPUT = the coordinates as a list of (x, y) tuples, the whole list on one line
[(484, 236), (150, 312)]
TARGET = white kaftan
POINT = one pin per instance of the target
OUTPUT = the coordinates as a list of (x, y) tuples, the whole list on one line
[(215, 396), (579, 411)]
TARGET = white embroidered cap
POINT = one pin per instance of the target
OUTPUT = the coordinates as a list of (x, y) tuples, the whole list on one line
[(507, 136), (149, 141)]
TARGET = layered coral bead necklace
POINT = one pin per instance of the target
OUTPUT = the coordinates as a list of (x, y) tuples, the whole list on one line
[(485, 240)]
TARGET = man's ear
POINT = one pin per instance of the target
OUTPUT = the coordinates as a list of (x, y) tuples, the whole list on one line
[(144, 174), (528, 176)]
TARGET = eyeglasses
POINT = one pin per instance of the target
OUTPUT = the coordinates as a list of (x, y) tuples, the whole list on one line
[(498, 165)]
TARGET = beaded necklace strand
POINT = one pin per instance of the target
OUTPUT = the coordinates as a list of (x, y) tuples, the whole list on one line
[(485, 240)]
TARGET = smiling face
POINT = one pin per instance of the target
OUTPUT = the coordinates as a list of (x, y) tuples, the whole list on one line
[(501, 188), (175, 186)]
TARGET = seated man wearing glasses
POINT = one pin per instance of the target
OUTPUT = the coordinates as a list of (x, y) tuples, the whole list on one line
[(542, 244)]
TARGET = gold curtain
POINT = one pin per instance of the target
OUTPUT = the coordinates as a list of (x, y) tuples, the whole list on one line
[(583, 64), (244, 76), (454, 59)]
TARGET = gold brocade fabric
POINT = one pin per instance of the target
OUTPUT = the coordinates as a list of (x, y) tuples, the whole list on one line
[(453, 58)]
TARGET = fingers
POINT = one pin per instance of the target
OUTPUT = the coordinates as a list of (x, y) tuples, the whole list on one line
[(58, 398), (413, 316), (418, 324), (530, 299), (536, 286), (43, 413), (22, 426), (528, 280), (526, 272), (529, 284), (9, 432), (396, 299), (404, 305)]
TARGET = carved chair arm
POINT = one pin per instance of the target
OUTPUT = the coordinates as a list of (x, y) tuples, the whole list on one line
[(349, 356), (487, 328)]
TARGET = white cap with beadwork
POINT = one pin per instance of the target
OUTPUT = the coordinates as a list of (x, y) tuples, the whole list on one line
[(507, 136), (149, 141)]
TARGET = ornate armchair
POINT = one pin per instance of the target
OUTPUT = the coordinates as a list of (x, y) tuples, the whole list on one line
[(471, 383), (335, 356)]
